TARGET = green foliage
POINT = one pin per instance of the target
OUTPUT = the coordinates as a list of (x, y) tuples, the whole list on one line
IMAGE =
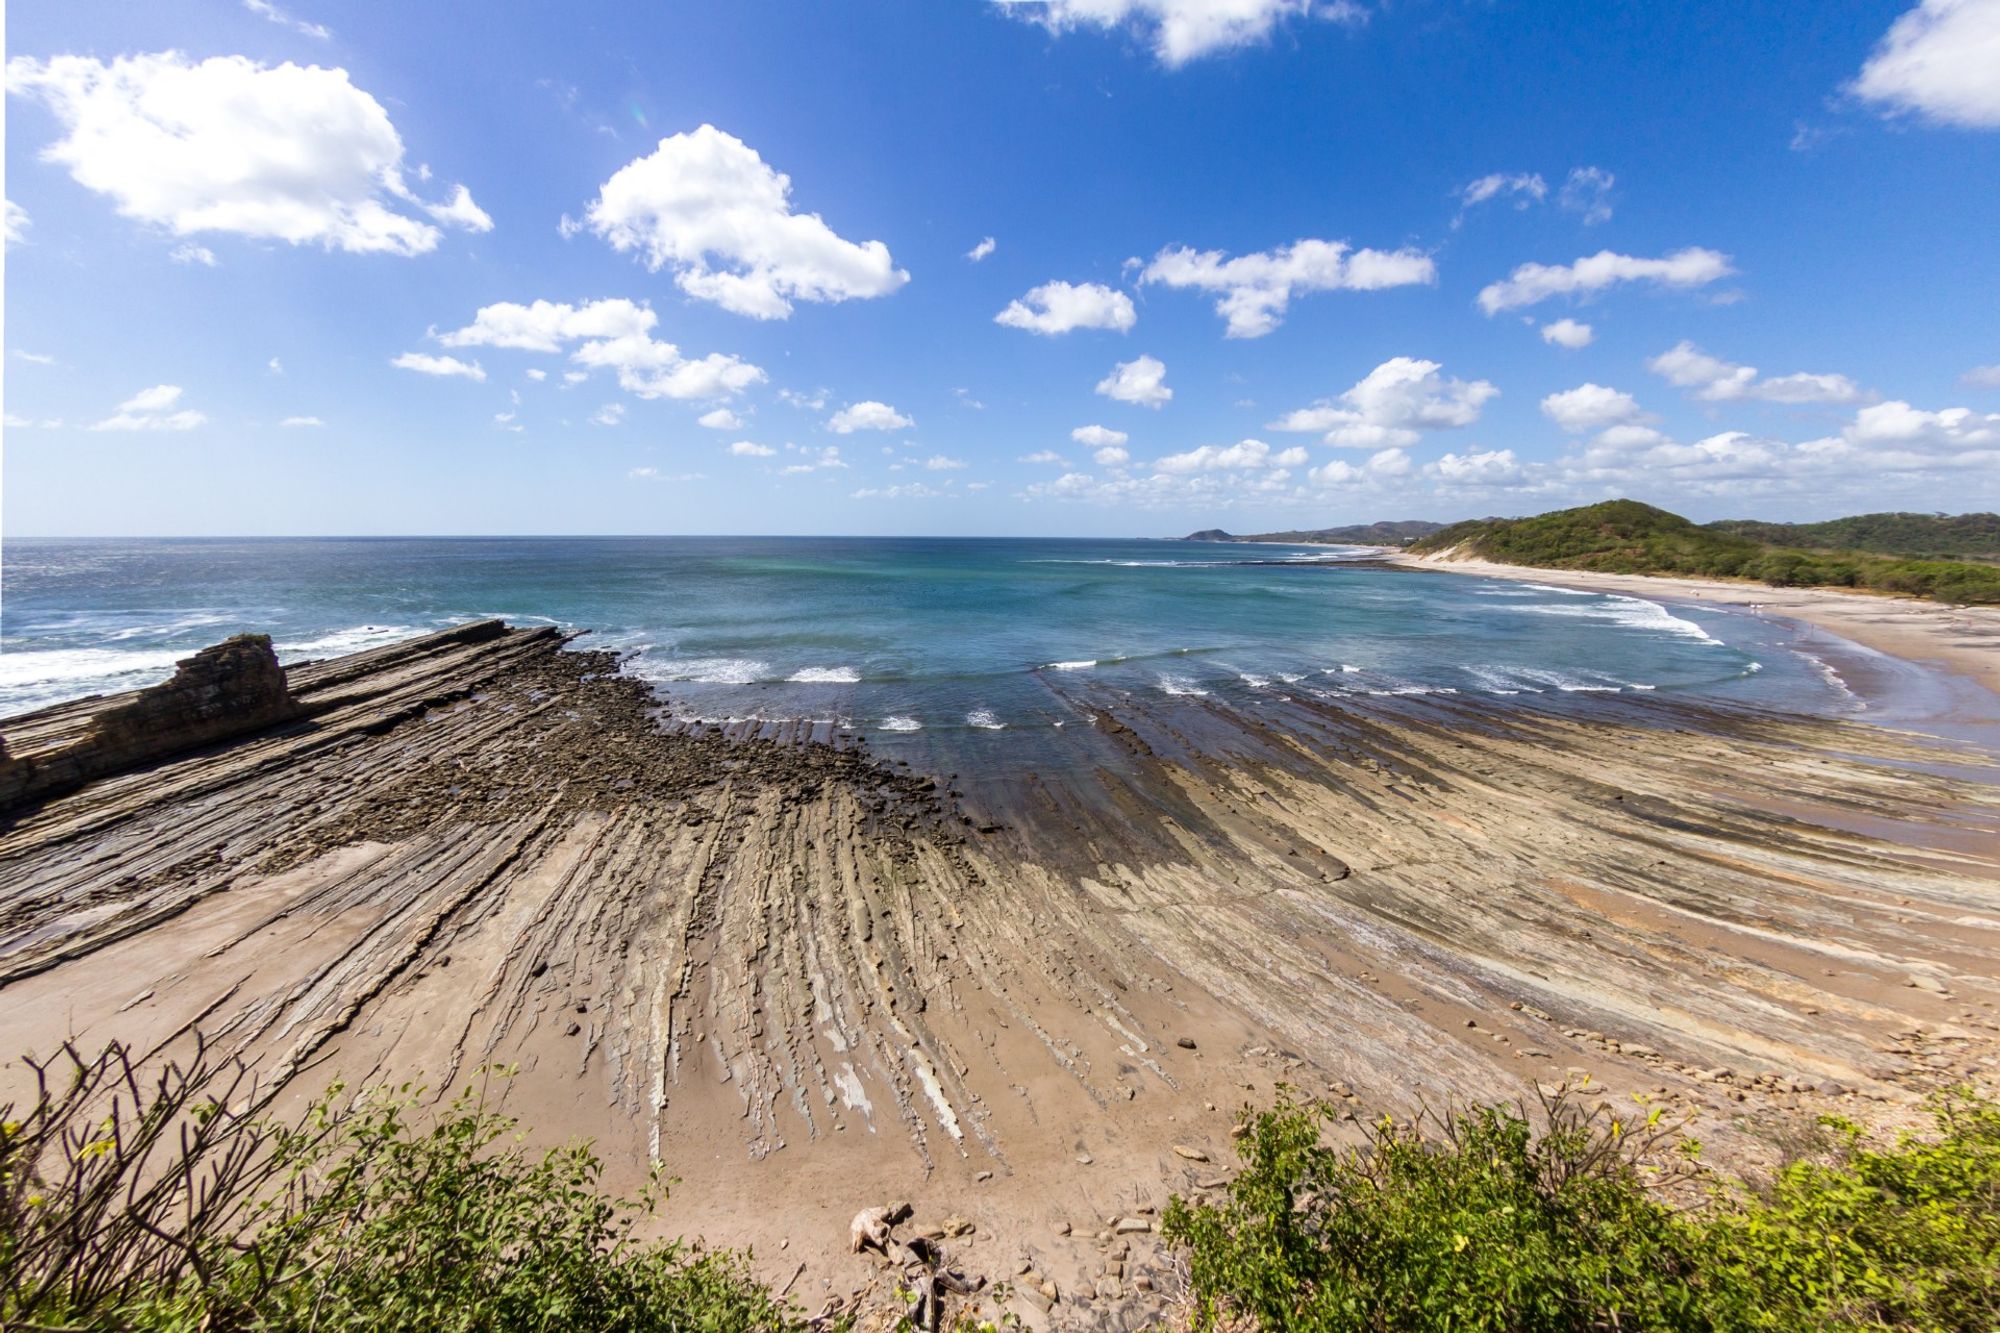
[(1627, 537), (358, 1217), (1927, 536), (1489, 1223)]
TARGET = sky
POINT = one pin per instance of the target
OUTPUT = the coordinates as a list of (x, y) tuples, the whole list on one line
[(1035, 267)]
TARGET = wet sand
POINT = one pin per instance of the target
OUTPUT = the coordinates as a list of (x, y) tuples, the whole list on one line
[(1031, 1004)]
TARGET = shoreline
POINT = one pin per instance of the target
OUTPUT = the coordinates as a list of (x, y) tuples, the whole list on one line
[(1963, 642), (808, 981)]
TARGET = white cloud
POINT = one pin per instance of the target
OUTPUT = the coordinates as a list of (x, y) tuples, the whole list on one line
[(17, 223), (1526, 188), (965, 397), (147, 410), (1098, 437), (1491, 467), (613, 334), (1111, 455), (289, 153), (536, 374), (1045, 456), (1219, 458), (1182, 30), (909, 490), (707, 206), (294, 423), (981, 250), (868, 415), (654, 474), (461, 212), (1381, 465), (505, 421), (1953, 430), (426, 364), (275, 366), (1590, 407), (1568, 333), (720, 418), (1982, 377), (1588, 192), (266, 9), (941, 463), (1717, 381), (34, 358), (192, 254), (1059, 307), (1255, 289), (611, 414), (1392, 405), (822, 460), (749, 449), (1142, 380), (1531, 284), (805, 402), (1939, 60)]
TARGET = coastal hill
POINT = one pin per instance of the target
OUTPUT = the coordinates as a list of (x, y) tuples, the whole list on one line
[(1628, 537), (1927, 536), (1390, 532)]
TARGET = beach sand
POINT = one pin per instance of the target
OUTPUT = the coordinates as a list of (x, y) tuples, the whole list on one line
[(1034, 1006)]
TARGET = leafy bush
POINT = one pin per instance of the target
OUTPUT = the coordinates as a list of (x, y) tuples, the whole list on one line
[(169, 1204), (1488, 1223)]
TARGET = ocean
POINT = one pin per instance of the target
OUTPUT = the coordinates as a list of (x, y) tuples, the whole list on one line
[(892, 636)]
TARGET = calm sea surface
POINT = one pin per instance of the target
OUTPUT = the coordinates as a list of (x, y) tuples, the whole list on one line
[(888, 635)]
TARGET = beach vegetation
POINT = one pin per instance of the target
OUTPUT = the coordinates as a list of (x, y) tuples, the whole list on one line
[(1628, 537), (1566, 1215)]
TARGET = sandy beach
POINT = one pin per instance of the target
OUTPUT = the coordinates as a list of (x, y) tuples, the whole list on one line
[(806, 982), (1963, 640)]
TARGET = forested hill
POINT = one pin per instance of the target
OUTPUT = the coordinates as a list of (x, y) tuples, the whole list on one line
[(1627, 537), (1389, 532), (1937, 536)]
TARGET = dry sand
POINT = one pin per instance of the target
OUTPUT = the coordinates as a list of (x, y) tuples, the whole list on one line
[(807, 982)]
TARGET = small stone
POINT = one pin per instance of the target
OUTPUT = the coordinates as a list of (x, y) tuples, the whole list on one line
[(1062, 1228), (983, 1177), (1185, 1043), (1132, 1226), (1191, 1154)]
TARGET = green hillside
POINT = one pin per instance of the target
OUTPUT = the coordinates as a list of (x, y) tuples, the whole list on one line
[(1927, 536), (1627, 537), (1388, 532)]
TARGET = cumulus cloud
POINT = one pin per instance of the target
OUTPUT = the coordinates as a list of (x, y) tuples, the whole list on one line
[(942, 463), (1525, 188), (1568, 333), (1938, 61), (1531, 284), (814, 460), (1590, 407), (1392, 405), (1243, 454), (1900, 426), (192, 254), (1142, 380), (720, 418), (16, 224), (1587, 192), (611, 334), (981, 250), (1714, 380), (1381, 465), (654, 474), (1045, 456), (1098, 437), (1255, 289), (706, 205), (150, 409), (867, 415), (1059, 307), (1182, 30), (909, 490), (426, 364), (295, 423), (287, 152), (1982, 377), (1111, 455), (611, 414), (749, 449)]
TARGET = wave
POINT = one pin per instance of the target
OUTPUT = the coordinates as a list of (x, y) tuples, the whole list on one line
[(901, 724), (839, 675), (342, 641), (1179, 685), (57, 667), (1083, 664), (1631, 612), (698, 670), (985, 719)]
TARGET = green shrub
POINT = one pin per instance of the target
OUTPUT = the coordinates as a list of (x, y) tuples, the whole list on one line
[(169, 1204), (1489, 1223)]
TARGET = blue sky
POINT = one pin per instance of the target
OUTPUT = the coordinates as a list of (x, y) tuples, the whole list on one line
[(1428, 258)]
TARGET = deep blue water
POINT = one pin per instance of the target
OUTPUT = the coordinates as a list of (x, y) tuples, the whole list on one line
[(886, 635)]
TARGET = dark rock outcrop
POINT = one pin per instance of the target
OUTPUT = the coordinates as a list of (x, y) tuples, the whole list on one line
[(231, 689)]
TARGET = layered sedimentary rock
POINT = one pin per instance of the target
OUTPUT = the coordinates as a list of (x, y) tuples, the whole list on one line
[(805, 980), (231, 689)]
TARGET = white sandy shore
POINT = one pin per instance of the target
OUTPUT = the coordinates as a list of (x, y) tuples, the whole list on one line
[(1964, 641)]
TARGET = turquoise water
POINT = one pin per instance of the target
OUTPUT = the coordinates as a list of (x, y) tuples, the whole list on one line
[(889, 636)]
